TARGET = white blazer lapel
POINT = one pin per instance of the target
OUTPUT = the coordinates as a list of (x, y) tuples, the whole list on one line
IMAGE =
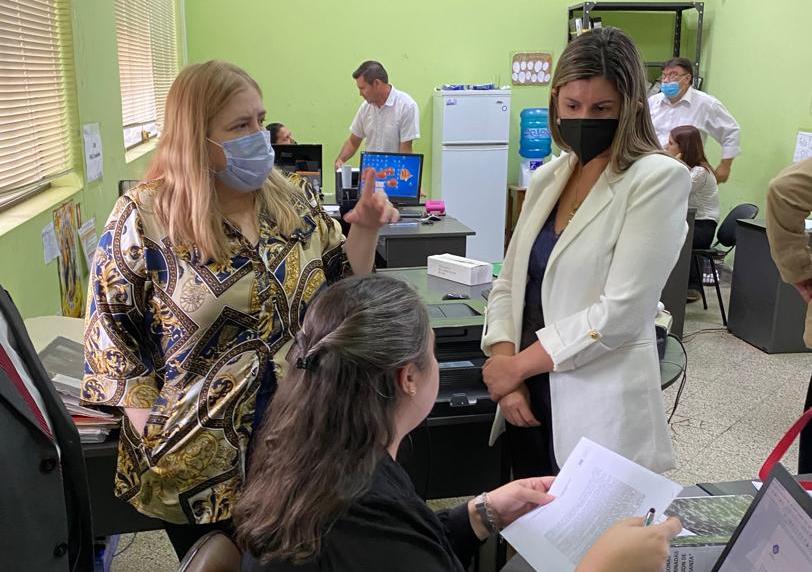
[(534, 214), (600, 196), (536, 217)]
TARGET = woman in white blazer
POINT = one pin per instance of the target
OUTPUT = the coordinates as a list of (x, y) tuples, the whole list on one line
[(600, 230)]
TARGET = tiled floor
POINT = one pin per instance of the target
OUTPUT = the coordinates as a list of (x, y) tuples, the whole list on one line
[(736, 404)]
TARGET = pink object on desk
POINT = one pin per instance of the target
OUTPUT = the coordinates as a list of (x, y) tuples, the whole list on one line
[(435, 207)]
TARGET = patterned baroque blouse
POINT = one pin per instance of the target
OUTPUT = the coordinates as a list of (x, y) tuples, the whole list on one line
[(195, 343)]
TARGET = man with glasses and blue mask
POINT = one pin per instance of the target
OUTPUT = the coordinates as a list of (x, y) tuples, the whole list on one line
[(678, 103)]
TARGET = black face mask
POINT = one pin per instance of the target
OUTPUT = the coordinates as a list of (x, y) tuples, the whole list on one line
[(588, 138)]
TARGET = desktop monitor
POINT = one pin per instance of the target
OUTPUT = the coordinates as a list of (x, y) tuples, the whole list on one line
[(303, 160), (775, 534), (397, 174)]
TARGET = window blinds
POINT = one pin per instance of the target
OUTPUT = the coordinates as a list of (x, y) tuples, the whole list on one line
[(147, 63), (37, 102)]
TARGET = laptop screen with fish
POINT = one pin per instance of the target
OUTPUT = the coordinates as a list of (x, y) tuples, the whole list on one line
[(397, 174)]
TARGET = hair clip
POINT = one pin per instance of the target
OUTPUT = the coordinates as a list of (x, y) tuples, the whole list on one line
[(307, 363)]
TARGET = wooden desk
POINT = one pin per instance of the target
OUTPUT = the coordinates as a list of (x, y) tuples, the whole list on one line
[(410, 243)]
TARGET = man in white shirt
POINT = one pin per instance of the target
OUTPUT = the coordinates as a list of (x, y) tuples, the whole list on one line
[(679, 103), (388, 118)]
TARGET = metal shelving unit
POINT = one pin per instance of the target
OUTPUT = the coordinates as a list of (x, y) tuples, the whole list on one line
[(586, 9)]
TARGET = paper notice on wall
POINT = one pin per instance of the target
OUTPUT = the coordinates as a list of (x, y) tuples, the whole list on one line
[(89, 240), (50, 247), (803, 146), (94, 164)]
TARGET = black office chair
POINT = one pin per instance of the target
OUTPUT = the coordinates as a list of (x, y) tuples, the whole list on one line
[(125, 185), (725, 237)]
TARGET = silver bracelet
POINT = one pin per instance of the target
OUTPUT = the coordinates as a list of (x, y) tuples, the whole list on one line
[(484, 509)]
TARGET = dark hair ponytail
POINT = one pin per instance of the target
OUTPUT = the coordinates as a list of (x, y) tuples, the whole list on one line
[(333, 415)]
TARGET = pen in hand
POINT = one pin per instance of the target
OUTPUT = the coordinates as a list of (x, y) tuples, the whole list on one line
[(649, 517)]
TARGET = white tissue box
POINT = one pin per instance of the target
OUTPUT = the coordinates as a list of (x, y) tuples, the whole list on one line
[(463, 270)]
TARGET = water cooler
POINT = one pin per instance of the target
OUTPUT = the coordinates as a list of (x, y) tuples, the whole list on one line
[(535, 143)]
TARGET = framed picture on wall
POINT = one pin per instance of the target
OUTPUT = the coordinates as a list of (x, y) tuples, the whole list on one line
[(531, 68)]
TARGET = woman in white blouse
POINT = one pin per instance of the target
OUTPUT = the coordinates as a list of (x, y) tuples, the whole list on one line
[(685, 143), (570, 321)]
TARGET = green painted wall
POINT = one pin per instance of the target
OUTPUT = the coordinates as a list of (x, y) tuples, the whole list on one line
[(303, 54), (33, 284), (758, 62), (755, 59)]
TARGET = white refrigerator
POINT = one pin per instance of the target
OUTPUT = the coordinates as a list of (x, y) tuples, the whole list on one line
[(470, 162)]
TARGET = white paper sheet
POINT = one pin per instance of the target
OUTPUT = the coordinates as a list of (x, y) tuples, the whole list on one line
[(67, 384), (89, 240), (803, 146), (50, 247), (596, 488), (94, 163)]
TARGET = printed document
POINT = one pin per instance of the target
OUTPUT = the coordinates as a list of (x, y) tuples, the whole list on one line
[(595, 489)]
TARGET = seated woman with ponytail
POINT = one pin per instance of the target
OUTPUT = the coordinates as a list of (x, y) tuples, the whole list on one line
[(324, 491)]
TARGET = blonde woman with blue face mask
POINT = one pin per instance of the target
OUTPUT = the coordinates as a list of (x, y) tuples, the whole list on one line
[(200, 281)]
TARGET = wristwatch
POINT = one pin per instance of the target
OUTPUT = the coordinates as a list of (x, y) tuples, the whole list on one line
[(484, 511)]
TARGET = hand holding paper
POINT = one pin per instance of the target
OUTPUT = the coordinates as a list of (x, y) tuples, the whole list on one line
[(595, 489), (517, 498)]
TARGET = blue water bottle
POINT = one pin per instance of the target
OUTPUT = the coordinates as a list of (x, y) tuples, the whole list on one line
[(535, 142)]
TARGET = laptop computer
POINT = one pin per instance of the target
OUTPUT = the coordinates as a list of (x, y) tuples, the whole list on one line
[(775, 534), (399, 175)]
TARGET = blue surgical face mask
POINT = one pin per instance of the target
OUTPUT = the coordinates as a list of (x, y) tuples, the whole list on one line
[(670, 88), (249, 161)]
